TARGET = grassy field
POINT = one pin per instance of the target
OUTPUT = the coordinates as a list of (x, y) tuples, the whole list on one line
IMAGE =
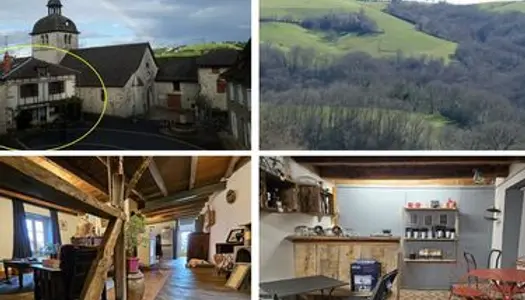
[(503, 6), (192, 50), (398, 35)]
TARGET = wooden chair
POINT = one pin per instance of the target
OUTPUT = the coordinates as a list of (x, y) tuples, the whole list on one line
[(382, 288)]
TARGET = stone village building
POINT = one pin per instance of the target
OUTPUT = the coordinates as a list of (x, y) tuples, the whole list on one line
[(135, 80)]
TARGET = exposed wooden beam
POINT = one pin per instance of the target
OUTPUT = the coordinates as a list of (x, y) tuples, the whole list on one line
[(134, 191), (390, 161), (173, 217), (186, 211), (155, 173), (28, 167), (117, 198), (193, 204), (413, 182), (137, 175), (98, 272), (231, 166), (72, 175), (193, 171), (37, 202), (184, 196), (411, 172)]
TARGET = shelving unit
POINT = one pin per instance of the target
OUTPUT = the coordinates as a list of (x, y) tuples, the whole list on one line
[(294, 197), (428, 219)]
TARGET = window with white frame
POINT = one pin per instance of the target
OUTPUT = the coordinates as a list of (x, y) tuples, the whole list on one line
[(38, 231)]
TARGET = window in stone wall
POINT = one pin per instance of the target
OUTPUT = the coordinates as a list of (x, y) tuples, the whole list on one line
[(56, 87)]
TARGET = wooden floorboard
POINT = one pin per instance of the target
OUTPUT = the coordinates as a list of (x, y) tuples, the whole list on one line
[(172, 280)]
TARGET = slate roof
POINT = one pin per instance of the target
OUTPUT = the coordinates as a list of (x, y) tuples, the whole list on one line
[(241, 71), (53, 23), (115, 64), (24, 68), (181, 69), (223, 57)]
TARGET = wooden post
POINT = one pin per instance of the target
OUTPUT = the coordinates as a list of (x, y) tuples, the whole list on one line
[(117, 198), (98, 272)]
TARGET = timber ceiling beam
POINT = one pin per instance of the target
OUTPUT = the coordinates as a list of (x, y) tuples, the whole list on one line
[(187, 214), (37, 202), (193, 204), (83, 201), (126, 183), (72, 175), (231, 166), (411, 172), (184, 196), (404, 161), (157, 177), (193, 171), (137, 175)]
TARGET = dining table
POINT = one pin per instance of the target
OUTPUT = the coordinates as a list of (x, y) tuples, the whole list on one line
[(507, 281)]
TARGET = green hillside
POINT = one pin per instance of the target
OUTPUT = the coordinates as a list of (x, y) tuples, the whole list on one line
[(193, 50), (504, 6), (398, 35)]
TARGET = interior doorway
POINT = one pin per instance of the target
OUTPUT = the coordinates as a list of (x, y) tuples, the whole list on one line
[(185, 227)]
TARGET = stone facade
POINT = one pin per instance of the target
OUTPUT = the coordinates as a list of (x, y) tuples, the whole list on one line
[(188, 94), (239, 104), (208, 80), (59, 40)]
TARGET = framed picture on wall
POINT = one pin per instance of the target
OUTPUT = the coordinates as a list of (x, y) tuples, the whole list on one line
[(235, 236)]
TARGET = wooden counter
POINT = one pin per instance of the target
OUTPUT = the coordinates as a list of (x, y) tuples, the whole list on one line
[(331, 256)]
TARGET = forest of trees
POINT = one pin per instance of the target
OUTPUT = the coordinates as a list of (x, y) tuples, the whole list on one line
[(340, 23), (475, 101)]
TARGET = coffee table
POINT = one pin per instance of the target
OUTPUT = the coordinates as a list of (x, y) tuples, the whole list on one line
[(20, 266)]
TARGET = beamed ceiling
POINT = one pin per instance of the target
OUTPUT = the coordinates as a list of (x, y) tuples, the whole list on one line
[(408, 167), (168, 188)]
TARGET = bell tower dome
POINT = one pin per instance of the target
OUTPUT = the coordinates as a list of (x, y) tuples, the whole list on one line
[(53, 31)]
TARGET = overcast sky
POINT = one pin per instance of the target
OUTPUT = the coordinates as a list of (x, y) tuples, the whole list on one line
[(161, 22)]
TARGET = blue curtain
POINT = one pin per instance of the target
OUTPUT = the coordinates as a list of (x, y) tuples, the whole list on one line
[(21, 246), (55, 227)]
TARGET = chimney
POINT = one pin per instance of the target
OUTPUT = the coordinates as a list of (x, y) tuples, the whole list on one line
[(7, 63)]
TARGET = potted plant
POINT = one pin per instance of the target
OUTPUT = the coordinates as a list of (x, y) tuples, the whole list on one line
[(135, 229)]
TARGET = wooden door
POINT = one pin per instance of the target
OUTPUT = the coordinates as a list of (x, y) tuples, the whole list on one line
[(174, 101)]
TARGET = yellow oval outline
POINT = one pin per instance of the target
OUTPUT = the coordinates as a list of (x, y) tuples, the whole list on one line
[(67, 52)]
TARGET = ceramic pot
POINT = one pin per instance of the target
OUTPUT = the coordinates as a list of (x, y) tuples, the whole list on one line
[(136, 286), (133, 264)]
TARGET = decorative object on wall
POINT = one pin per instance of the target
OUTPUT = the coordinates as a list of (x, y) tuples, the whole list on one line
[(238, 275), (63, 225), (85, 228), (235, 236), (209, 217), (478, 177), (492, 214), (231, 196)]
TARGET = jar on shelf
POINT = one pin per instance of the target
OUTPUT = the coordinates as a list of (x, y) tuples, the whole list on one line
[(409, 233)]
